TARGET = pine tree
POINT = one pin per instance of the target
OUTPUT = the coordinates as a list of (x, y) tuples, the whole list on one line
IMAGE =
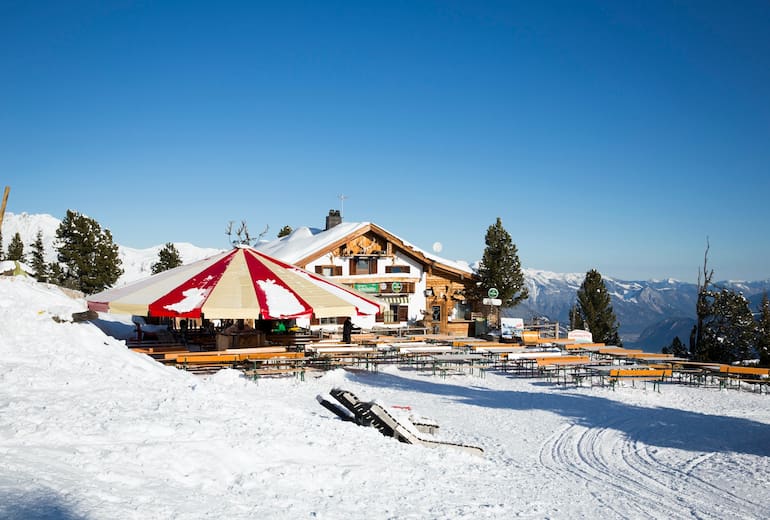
[(37, 258), (168, 258), (676, 348), (285, 231), (2, 255), (55, 273), (16, 248), (500, 268), (88, 254), (595, 306), (729, 331), (763, 331)]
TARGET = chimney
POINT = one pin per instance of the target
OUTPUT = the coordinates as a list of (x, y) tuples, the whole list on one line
[(333, 218)]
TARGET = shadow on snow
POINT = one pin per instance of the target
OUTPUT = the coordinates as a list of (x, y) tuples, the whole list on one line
[(38, 505), (662, 427)]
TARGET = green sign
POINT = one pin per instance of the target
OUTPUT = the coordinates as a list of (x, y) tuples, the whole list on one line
[(373, 288), (493, 293), (395, 286)]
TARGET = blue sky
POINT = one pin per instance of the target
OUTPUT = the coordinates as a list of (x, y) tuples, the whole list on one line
[(611, 135)]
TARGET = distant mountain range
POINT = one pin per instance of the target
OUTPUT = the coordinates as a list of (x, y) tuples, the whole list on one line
[(651, 313)]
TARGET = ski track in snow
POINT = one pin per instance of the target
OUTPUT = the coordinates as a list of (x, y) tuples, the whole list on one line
[(604, 458)]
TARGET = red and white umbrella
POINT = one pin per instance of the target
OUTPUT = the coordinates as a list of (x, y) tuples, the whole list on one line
[(242, 283)]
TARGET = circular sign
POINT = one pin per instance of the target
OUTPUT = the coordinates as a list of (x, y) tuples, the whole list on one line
[(396, 286), (493, 293)]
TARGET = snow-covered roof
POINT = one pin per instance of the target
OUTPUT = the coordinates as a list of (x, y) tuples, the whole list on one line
[(304, 242)]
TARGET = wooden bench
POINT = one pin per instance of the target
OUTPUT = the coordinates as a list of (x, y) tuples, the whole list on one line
[(655, 375), (207, 359), (561, 361), (266, 356), (162, 353), (738, 374), (745, 371), (562, 365)]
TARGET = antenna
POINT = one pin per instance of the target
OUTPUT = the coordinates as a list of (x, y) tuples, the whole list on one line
[(342, 198)]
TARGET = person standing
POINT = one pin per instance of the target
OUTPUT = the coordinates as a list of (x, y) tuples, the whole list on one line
[(347, 330)]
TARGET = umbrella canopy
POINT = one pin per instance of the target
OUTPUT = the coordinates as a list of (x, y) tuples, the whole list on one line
[(242, 283)]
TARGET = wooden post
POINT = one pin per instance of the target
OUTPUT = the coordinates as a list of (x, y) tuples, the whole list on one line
[(2, 208)]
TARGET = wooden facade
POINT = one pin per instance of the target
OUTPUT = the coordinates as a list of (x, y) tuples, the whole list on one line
[(416, 289)]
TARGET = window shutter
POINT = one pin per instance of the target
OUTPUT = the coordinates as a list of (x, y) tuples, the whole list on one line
[(337, 270), (403, 313), (373, 266), (352, 269), (319, 269)]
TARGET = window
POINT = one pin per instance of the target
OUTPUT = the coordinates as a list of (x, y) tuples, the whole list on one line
[(329, 270), (394, 313), (462, 311), (363, 265), (397, 269)]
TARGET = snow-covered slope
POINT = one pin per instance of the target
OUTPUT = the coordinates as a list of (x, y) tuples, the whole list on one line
[(89, 429)]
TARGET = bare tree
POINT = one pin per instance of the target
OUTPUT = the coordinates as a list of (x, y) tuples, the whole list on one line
[(702, 305), (242, 235)]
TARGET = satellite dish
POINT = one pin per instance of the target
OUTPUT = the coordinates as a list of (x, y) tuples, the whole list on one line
[(437, 247)]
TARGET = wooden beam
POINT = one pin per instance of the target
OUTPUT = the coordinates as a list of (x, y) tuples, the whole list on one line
[(2, 208)]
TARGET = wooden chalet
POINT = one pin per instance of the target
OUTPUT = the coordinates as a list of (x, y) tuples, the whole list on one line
[(416, 288)]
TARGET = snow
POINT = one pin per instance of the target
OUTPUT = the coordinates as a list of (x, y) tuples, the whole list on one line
[(280, 300), (192, 298), (89, 429)]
